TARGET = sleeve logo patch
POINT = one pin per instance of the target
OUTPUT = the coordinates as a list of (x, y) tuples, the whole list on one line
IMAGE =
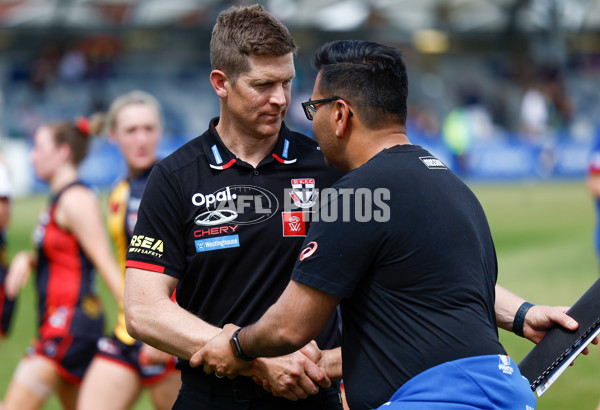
[(309, 250), (432, 163), (146, 245)]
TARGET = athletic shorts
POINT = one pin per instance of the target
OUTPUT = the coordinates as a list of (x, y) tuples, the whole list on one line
[(129, 356), (7, 306), (481, 382), (72, 355), (68, 336)]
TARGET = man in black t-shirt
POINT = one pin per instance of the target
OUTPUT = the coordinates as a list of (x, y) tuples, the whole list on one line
[(405, 249), (223, 219)]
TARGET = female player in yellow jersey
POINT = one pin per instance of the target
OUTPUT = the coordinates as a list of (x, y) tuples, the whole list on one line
[(123, 366)]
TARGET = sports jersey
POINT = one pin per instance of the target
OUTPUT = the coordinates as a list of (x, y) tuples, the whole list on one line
[(123, 204), (411, 255), (70, 313), (228, 231), (7, 305)]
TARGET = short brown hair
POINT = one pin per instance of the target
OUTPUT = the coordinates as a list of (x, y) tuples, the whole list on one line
[(76, 135), (244, 31)]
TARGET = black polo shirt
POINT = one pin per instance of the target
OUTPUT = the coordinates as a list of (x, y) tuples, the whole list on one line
[(228, 231), (416, 277)]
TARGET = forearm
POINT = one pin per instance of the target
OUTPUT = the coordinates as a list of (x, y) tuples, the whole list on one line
[(152, 317), (167, 327), (270, 337), (506, 306), (112, 278), (297, 318)]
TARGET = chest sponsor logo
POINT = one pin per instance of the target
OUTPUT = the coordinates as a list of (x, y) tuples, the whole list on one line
[(303, 192), (216, 217), (239, 204), (432, 163), (146, 245), (217, 230), (220, 242), (294, 223)]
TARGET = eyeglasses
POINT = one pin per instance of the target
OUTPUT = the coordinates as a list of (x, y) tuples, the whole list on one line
[(310, 108)]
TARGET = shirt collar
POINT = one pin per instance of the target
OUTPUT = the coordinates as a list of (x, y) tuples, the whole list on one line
[(220, 158)]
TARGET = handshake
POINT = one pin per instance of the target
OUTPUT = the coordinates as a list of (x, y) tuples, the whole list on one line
[(294, 376)]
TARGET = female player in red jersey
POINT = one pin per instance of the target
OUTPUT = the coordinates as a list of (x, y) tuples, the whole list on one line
[(123, 365), (71, 241), (6, 304)]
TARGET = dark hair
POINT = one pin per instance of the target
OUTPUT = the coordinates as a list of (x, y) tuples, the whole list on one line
[(244, 31), (371, 76), (76, 134)]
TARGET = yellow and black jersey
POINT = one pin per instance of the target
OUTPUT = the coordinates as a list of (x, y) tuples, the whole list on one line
[(123, 204)]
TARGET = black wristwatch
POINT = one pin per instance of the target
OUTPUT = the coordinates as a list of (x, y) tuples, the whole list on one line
[(237, 349)]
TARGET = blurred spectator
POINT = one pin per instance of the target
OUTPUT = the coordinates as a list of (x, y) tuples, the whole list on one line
[(101, 53), (469, 122), (534, 112), (422, 123), (43, 68), (562, 109), (72, 66)]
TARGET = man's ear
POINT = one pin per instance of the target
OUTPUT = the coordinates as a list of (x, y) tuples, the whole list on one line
[(218, 80), (341, 112)]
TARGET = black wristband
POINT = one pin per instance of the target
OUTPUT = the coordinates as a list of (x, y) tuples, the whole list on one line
[(520, 318), (238, 347)]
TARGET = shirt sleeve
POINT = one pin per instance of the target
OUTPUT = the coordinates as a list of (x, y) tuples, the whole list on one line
[(339, 250), (157, 242)]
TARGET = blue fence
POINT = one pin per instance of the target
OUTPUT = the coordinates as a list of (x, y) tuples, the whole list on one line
[(489, 161)]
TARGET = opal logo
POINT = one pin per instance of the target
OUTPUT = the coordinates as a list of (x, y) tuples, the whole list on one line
[(235, 204), (199, 199)]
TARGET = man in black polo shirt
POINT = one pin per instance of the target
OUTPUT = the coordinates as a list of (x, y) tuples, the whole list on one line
[(409, 257), (223, 219)]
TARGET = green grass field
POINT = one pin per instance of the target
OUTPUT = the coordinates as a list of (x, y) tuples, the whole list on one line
[(543, 235)]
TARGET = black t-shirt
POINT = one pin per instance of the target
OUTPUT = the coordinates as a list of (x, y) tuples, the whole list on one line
[(417, 275), (228, 231)]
